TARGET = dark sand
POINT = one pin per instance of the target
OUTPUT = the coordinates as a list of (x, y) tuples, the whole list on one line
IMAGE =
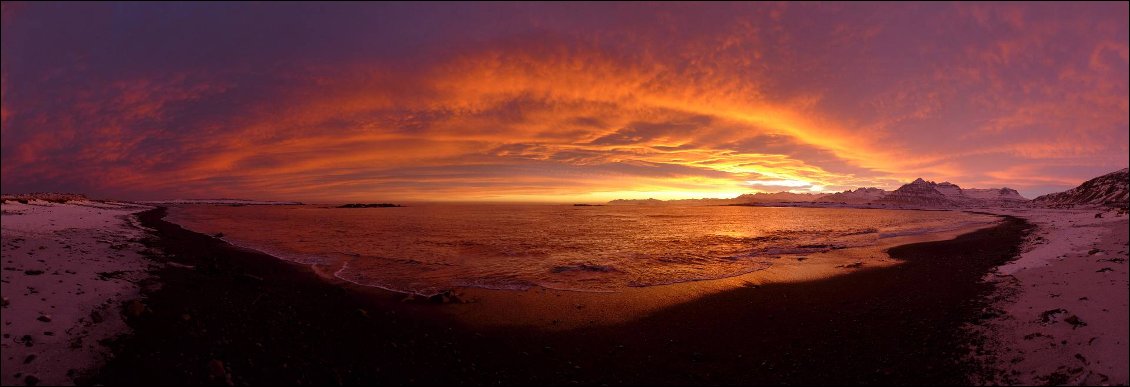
[(247, 318)]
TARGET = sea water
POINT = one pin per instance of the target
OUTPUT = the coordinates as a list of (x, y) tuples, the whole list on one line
[(427, 248)]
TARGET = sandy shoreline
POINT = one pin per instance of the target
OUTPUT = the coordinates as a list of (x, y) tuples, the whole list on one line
[(221, 311), (557, 309), (1062, 305), (560, 309), (1056, 314), (67, 269)]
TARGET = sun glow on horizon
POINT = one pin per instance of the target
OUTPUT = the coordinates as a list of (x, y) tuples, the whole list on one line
[(780, 183), (555, 103)]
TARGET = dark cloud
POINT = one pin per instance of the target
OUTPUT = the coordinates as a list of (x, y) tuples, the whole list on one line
[(307, 100)]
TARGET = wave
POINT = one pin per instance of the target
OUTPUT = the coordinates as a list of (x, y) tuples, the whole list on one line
[(642, 284), (584, 267), (478, 247), (929, 229)]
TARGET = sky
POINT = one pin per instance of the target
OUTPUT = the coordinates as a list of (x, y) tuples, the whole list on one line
[(557, 101)]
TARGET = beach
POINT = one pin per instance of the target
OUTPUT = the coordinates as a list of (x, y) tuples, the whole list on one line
[(229, 315), (1035, 298), (1061, 306), (549, 193), (68, 269)]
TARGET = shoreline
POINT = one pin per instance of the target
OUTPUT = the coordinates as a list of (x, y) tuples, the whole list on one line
[(563, 309), (1061, 307), (556, 309), (228, 315), (68, 270)]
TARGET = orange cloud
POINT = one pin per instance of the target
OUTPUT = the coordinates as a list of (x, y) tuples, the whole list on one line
[(579, 103)]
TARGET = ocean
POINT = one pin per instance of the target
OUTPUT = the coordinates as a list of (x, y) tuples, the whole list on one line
[(427, 248)]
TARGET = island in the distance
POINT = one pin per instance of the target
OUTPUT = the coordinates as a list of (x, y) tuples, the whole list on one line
[(369, 205)]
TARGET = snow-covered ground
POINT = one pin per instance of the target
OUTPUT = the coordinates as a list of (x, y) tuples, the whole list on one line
[(67, 270), (230, 202), (1064, 302)]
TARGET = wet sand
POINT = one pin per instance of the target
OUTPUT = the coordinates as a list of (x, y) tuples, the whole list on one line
[(562, 310), (230, 316)]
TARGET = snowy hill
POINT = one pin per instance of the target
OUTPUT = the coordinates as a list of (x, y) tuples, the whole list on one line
[(859, 196), (762, 197), (922, 193), (54, 197), (229, 202), (1002, 194), (1106, 190)]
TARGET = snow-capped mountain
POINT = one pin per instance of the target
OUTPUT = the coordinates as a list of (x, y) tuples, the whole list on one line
[(922, 193), (762, 197), (1001, 194), (918, 193), (950, 190), (1106, 190), (859, 196)]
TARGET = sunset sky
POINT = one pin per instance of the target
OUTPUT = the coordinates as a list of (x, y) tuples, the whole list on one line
[(557, 102)]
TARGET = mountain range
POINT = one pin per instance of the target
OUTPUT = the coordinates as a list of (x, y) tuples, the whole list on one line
[(1107, 190)]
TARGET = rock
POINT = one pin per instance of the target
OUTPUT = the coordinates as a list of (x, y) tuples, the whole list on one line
[(29, 359), (31, 380), (95, 316), (134, 308), (852, 265), (1075, 322), (4, 302), (249, 278), (362, 313), (1048, 316), (33, 272), (109, 275), (216, 369), (44, 318), (369, 205), (445, 297), (185, 317), (182, 266)]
